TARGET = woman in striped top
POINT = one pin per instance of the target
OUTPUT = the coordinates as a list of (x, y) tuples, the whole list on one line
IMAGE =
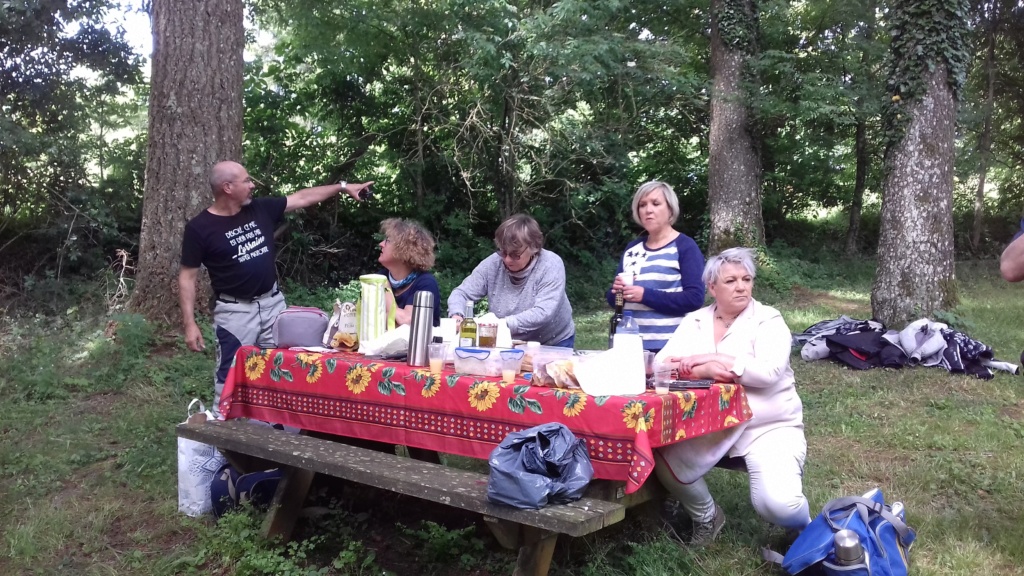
[(665, 265)]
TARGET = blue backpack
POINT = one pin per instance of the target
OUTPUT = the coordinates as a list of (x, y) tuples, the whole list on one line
[(884, 536), (230, 488)]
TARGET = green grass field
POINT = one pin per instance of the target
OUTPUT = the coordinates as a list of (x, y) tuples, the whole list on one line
[(88, 460)]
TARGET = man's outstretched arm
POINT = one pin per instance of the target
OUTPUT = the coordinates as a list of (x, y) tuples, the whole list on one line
[(309, 196)]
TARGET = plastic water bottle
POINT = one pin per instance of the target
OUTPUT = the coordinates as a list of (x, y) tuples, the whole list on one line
[(627, 328), (628, 348), (848, 550)]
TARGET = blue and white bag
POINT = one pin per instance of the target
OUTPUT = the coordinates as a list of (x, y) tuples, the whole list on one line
[(197, 464), (884, 536)]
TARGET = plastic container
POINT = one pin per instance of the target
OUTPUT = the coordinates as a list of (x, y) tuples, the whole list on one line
[(485, 361), (537, 356)]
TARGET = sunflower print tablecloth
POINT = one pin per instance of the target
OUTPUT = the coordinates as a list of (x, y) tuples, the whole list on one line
[(348, 394)]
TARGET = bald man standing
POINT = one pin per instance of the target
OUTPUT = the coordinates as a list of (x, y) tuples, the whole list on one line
[(234, 239)]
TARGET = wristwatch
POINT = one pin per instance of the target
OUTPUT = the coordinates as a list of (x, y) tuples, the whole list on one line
[(343, 186)]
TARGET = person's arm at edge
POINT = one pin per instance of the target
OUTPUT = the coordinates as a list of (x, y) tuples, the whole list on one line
[(186, 300), (310, 196), (691, 267), (1011, 262)]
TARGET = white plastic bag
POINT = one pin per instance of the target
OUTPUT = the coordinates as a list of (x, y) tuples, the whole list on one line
[(197, 464), (391, 342)]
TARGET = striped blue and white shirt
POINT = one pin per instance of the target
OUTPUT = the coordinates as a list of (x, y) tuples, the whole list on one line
[(670, 277)]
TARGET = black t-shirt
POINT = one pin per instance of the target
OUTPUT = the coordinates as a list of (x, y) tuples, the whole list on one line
[(238, 250), (425, 281)]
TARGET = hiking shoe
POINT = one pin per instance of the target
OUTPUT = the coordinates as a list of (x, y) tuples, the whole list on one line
[(704, 533)]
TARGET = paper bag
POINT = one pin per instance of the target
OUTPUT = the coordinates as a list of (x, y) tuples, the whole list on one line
[(618, 371)]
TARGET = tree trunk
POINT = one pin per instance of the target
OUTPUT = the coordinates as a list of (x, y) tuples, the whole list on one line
[(860, 183), (505, 188), (734, 167), (195, 120), (863, 159), (985, 139), (916, 273)]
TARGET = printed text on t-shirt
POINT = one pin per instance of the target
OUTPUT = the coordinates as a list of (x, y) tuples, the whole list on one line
[(250, 241)]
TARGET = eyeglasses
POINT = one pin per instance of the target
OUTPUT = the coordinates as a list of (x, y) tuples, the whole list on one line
[(510, 255), (247, 180)]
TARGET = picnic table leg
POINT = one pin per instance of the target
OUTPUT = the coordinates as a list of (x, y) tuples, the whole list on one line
[(536, 552), (505, 532), (284, 509)]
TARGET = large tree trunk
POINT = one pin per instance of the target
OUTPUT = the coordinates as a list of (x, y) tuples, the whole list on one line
[(985, 139), (915, 254), (734, 166), (195, 119)]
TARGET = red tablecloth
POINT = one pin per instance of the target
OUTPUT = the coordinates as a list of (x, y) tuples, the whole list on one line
[(350, 395)]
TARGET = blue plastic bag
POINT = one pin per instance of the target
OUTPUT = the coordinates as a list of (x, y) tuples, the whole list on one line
[(543, 465), (884, 536)]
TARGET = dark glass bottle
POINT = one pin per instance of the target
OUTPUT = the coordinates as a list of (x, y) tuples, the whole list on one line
[(616, 317)]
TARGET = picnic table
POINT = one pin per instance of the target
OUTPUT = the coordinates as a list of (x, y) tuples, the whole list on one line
[(348, 394), (353, 396)]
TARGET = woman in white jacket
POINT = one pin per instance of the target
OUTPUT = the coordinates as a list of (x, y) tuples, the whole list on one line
[(738, 339)]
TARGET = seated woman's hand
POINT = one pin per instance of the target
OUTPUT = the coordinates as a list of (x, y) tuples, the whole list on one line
[(713, 371), (687, 364)]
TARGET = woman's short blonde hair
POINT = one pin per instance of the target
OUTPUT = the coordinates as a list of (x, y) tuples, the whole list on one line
[(410, 242), (670, 198), (517, 234), (742, 256)]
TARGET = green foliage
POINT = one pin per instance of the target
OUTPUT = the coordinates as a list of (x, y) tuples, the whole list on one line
[(737, 24), (64, 82), (236, 543), (925, 34), (441, 545)]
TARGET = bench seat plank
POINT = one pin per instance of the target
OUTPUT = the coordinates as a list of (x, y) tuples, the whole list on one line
[(459, 488)]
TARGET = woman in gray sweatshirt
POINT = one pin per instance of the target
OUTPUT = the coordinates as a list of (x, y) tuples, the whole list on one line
[(524, 285)]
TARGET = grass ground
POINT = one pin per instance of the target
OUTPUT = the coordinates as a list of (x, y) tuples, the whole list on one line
[(87, 460)]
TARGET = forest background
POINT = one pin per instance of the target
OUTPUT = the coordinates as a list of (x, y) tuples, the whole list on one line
[(466, 112), (794, 126)]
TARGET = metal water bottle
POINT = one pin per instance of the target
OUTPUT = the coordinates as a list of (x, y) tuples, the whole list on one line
[(421, 329), (847, 548)]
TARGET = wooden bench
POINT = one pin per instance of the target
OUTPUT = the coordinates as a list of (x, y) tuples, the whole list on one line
[(533, 532)]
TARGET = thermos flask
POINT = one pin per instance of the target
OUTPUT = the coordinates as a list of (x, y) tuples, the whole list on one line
[(421, 329), (848, 550)]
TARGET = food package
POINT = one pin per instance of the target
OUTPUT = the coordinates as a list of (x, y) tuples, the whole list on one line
[(342, 329)]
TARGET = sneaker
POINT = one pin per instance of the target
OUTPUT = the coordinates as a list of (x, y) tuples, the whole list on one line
[(704, 533)]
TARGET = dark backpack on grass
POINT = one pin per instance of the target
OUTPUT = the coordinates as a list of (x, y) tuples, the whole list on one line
[(231, 488)]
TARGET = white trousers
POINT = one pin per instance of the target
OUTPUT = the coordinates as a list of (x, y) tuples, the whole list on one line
[(775, 464)]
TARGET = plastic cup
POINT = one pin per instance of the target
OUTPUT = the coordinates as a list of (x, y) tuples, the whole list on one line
[(435, 354), (662, 377), (510, 368), (626, 278), (648, 363)]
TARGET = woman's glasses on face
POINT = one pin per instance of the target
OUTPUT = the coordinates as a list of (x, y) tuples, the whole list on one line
[(514, 256)]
